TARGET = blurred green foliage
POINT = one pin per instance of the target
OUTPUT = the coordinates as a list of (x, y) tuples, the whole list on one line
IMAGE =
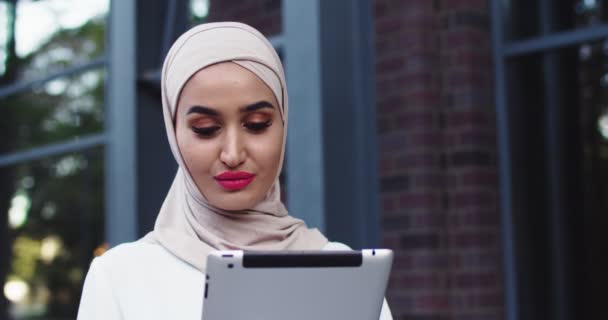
[(66, 191)]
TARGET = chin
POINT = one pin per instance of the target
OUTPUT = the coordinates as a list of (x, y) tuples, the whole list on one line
[(234, 202)]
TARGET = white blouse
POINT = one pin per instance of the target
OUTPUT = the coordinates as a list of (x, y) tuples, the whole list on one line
[(140, 280)]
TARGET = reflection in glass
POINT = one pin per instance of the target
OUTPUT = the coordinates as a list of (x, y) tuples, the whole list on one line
[(527, 19), (592, 78), (38, 38), (558, 103), (62, 109), (55, 225), (199, 9)]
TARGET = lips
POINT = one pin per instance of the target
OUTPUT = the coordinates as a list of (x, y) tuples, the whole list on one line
[(234, 180)]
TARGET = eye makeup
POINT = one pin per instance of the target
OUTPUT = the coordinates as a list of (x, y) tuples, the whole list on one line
[(206, 123), (205, 131), (258, 126)]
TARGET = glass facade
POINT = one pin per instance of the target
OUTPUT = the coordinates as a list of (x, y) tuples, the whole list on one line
[(556, 91), (62, 109), (52, 95), (526, 19), (55, 224)]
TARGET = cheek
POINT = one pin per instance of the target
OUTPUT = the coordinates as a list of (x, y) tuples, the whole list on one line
[(194, 151), (267, 151)]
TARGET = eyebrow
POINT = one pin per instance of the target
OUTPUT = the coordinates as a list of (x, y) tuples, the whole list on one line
[(203, 110), (214, 113), (257, 106)]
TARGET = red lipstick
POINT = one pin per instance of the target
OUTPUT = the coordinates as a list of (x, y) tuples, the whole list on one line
[(234, 180)]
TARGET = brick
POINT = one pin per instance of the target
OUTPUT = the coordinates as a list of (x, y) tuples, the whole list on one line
[(396, 222), (432, 302), (415, 80), (478, 259), (473, 59), (466, 78), (467, 118), (417, 160), (387, 26), (401, 261), (416, 41), (417, 200), (423, 316), (477, 301), (394, 183), (391, 242), (472, 98), (472, 199), (473, 239), (426, 139), (471, 159), (480, 219), (400, 302), (380, 9), (385, 125), (429, 261), (422, 98), (420, 281), (430, 181), (453, 5), (420, 241), (386, 166), (389, 203), (263, 15), (388, 105), (428, 220), (476, 138), (392, 142), (475, 280), (412, 6), (390, 64), (416, 119), (480, 178), (465, 38), (422, 61), (469, 19)]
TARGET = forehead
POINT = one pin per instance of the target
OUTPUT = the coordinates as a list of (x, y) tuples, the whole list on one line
[(225, 85)]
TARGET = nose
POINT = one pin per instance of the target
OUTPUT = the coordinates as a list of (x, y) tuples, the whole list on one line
[(233, 152)]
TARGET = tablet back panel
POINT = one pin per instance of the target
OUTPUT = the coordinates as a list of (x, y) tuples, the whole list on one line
[(297, 286)]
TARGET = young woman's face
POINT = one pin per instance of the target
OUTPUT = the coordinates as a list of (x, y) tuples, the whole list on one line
[(230, 135)]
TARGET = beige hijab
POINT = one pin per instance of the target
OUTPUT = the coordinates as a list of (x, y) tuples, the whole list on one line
[(188, 226)]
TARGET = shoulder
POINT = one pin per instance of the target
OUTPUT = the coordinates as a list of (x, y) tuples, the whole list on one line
[(138, 260), (336, 246), (141, 280), (126, 253)]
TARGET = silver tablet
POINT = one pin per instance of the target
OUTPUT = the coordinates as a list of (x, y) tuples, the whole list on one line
[(300, 285)]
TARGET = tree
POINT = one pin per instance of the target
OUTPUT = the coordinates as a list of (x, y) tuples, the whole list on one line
[(60, 205)]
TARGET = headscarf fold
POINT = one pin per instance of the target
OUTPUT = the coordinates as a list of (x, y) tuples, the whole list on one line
[(188, 226)]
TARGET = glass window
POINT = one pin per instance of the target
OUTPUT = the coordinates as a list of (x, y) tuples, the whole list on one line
[(527, 19), (559, 101), (55, 227), (53, 207), (199, 9), (62, 109), (38, 38)]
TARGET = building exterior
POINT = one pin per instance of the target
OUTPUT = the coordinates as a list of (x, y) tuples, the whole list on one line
[(473, 132)]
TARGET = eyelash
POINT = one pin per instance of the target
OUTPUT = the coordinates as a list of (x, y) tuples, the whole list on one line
[(253, 127)]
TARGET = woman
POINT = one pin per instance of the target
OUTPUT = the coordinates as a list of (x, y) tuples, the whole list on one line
[(225, 110)]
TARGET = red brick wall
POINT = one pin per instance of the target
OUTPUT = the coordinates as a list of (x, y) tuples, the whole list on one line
[(438, 158), (437, 152), (264, 15)]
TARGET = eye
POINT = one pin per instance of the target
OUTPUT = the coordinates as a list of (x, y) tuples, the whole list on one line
[(205, 132), (257, 127)]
